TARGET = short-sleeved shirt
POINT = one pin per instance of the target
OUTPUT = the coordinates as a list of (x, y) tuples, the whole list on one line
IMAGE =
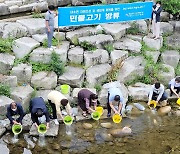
[(50, 18), (113, 92), (173, 83)]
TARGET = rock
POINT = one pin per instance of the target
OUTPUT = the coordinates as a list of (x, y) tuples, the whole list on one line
[(106, 125), (74, 80), (5, 124), (2, 131), (27, 122), (24, 46), (34, 25), (52, 131), (96, 40), (41, 6), (43, 94), (8, 80), (177, 113), (117, 30), (139, 92), (60, 36), (106, 137), (96, 74), (73, 36), (23, 72), (118, 55), (75, 55), (12, 3), (14, 9), (4, 148), (44, 80), (166, 28), (82, 2), (177, 26), (154, 44), (4, 102), (153, 54), (6, 63), (135, 37), (87, 125), (98, 56), (132, 67), (63, 2), (13, 30), (174, 40), (141, 25), (29, 1), (121, 132), (165, 16), (171, 57), (25, 8), (22, 94), (164, 110), (40, 37), (4, 9), (128, 44)]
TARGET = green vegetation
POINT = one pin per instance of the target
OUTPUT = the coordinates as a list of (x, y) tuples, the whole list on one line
[(54, 43), (131, 1), (37, 15), (21, 60), (38, 67), (88, 46), (98, 87), (133, 29), (177, 70), (4, 90), (75, 41), (6, 45), (109, 47)]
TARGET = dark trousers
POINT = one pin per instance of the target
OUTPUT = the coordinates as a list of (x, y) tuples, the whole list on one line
[(177, 89), (108, 106), (53, 106), (164, 96)]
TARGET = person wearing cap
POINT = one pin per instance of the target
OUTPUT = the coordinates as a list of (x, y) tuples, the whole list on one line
[(87, 101), (38, 111), (57, 100), (174, 86), (115, 101), (13, 110), (158, 94)]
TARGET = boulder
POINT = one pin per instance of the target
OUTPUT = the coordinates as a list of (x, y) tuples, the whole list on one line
[(139, 91), (82, 2), (41, 6), (141, 25), (106, 137), (177, 113), (4, 9), (135, 37), (12, 3), (166, 28), (117, 30), (96, 74), (63, 2), (23, 72), (171, 57), (6, 63), (34, 25), (177, 26), (60, 36), (27, 122), (118, 55), (44, 80), (98, 56), (87, 125), (25, 8), (2, 131), (8, 80), (153, 54), (4, 102), (164, 110), (14, 9), (52, 131), (28, 1), (165, 16), (74, 80), (22, 94), (173, 40), (132, 67), (128, 44), (23, 46), (154, 44), (39, 37), (121, 132), (13, 30), (75, 55), (43, 94), (106, 125)]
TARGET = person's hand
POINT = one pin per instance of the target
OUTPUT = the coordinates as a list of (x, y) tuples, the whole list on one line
[(116, 112), (36, 125), (148, 103), (15, 122)]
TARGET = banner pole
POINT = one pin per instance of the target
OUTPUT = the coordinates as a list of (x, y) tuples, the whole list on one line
[(58, 38)]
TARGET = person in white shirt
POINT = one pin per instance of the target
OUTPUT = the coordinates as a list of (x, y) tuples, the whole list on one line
[(158, 94), (174, 86), (56, 100)]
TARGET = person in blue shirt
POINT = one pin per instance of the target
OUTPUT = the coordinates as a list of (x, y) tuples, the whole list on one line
[(115, 101), (38, 109), (15, 109)]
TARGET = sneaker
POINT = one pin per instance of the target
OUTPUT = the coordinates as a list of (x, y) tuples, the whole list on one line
[(109, 115), (51, 49), (56, 122)]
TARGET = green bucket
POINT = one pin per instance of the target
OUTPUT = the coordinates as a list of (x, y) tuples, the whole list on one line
[(16, 129), (42, 129), (95, 115), (65, 89), (68, 120)]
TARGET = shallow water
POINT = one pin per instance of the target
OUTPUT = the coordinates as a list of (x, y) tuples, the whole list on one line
[(151, 134)]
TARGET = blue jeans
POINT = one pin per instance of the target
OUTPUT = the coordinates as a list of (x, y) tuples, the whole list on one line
[(50, 36)]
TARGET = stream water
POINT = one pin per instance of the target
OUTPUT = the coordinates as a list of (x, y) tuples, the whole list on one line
[(151, 134)]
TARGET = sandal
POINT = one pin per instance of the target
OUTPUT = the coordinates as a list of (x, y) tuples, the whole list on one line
[(85, 115)]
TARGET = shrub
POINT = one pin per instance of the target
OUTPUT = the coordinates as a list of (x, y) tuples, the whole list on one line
[(6, 45), (4, 90), (88, 46), (109, 47), (38, 67), (98, 87)]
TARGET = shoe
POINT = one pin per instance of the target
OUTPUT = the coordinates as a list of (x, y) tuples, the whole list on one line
[(109, 115), (51, 49), (56, 122)]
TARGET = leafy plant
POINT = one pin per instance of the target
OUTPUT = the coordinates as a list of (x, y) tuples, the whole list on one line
[(177, 70), (21, 60), (98, 87), (4, 90), (133, 29), (109, 47), (37, 15), (54, 43), (6, 45), (38, 67), (88, 46)]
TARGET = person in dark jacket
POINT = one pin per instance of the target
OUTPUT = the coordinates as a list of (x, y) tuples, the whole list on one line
[(38, 109), (15, 109), (87, 100), (156, 11)]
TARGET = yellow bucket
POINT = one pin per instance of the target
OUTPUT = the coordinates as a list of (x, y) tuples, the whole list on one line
[(152, 102), (42, 129), (178, 101), (117, 118), (95, 115), (100, 110), (65, 89), (16, 129), (68, 120)]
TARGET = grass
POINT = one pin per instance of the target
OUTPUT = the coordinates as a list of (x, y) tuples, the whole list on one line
[(4, 90), (6, 45), (37, 15), (54, 43), (134, 30), (98, 87), (88, 46), (109, 47)]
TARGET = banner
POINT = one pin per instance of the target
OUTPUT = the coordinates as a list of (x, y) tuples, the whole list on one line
[(98, 14)]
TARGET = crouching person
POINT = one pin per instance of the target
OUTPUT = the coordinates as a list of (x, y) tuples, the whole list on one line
[(15, 113), (174, 86), (39, 111)]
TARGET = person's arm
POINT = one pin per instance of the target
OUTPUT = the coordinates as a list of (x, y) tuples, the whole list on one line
[(9, 115), (47, 22), (172, 88), (150, 96), (21, 112), (87, 105), (113, 108), (158, 11), (47, 119), (160, 94), (120, 107), (59, 114), (68, 109)]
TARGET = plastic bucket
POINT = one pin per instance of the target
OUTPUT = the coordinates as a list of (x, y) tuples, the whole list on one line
[(16, 129), (178, 101), (65, 89), (68, 120), (42, 129), (95, 115), (100, 110), (116, 118), (153, 103)]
